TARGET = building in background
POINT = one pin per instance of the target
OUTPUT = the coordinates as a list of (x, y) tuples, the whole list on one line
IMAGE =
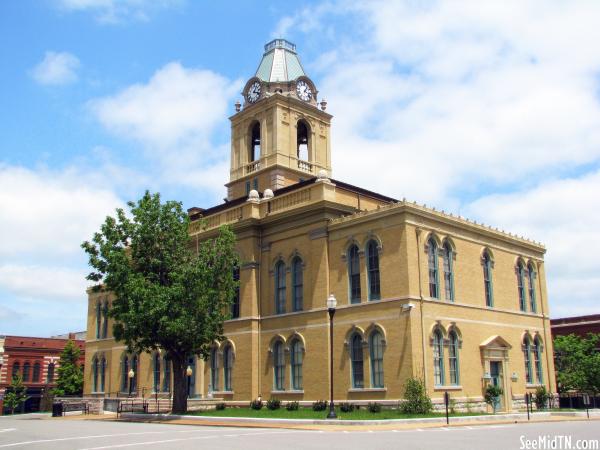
[(36, 360), (420, 292), (579, 325)]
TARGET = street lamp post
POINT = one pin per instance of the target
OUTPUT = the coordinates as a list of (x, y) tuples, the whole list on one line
[(331, 304), (189, 372), (130, 374)]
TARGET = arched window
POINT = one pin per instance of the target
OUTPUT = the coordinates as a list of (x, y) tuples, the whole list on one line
[(105, 320), (356, 355), (95, 370), (278, 366), (354, 274), (521, 286), (124, 373), (296, 357), (448, 272), (432, 256), (302, 140), (16, 369), (227, 367), (527, 357), (537, 356), (487, 279), (280, 288), (36, 372), (191, 360), (531, 284), (373, 270), (438, 358), (235, 304), (156, 372), (297, 284), (134, 366), (26, 368), (255, 142), (214, 369), (453, 366), (102, 373), (98, 319), (50, 374), (376, 350), (166, 374)]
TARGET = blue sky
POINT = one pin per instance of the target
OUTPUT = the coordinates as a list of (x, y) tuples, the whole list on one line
[(490, 110)]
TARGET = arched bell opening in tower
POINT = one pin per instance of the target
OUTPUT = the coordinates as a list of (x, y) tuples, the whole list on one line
[(302, 140), (254, 142)]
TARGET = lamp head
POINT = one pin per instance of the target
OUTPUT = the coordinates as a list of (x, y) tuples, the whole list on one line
[(331, 302), (131, 373), (189, 371)]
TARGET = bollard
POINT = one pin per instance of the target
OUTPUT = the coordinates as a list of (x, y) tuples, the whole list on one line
[(527, 404), (447, 402)]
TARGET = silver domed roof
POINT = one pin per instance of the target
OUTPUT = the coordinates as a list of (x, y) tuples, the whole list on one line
[(280, 62)]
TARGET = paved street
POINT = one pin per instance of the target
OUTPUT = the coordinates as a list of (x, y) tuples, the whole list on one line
[(35, 431)]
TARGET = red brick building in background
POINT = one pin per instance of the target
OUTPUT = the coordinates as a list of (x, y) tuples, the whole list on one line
[(580, 325), (36, 360)]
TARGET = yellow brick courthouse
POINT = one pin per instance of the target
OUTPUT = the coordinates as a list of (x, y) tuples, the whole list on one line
[(419, 292)]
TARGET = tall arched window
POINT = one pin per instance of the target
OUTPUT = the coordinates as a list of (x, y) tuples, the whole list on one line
[(527, 357), (105, 320), (531, 284), (376, 351), (297, 284), (356, 355), (438, 358), (434, 282), (487, 279), (255, 142), (302, 140), (36, 372), (227, 367), (166, 374), (124, 373), (280, 287), (235, 303), (26, 368), (98, 319), (50, 373), (521, 286), (134, 366), (15, 369), (537, 356), (278, 366), (448, 272), (453, 366), (191, 363), (373, 270), (296, 357), (214, 369), (95, 371), (156, 372), (102, 373), (354, 274)]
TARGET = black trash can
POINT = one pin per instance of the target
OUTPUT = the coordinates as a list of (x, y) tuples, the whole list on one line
[(57, 409)]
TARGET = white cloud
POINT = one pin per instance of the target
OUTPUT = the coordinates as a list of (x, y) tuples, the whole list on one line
[(117, 11), (34, 281), (56, 68)]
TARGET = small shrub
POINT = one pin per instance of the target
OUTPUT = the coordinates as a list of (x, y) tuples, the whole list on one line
[(273, 404), (256, 404), (492, 393), (220, 406), (320, 405), (417, 400), (346, 407), (541, 397), (374, 407), (292, 406)]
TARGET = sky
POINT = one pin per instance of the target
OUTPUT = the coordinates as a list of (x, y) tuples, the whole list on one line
[(490, 110)]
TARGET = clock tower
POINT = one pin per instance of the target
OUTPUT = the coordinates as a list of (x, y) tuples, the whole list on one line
[(280, 134)]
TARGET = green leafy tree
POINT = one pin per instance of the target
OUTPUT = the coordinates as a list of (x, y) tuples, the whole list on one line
[(577, 363), (170, 292), (70, 375), (16, 394)]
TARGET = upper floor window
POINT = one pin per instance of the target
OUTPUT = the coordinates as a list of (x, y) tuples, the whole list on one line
[(227, 367), (453, 358), (255, 142), (434, 290), (521, 286), (278, 366), (487, 278), (26, 368), (448, 271), (50, 373), (98, 319), (15, 369), (373, 270), (354, 273), (104, 334), (531, 285), (235, 303), (438, 358), (356, 356), (302, 135), (36, 372), (280, 287), (376, 350), (297, 284), (296, 357)]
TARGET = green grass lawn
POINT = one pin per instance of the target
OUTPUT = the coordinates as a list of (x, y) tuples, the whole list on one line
[(308, 413)]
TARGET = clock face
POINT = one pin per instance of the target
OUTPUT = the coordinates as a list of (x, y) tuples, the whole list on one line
[(303, 90), (254, 92)]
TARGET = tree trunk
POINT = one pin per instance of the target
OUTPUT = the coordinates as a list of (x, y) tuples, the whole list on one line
[(179, 385)]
